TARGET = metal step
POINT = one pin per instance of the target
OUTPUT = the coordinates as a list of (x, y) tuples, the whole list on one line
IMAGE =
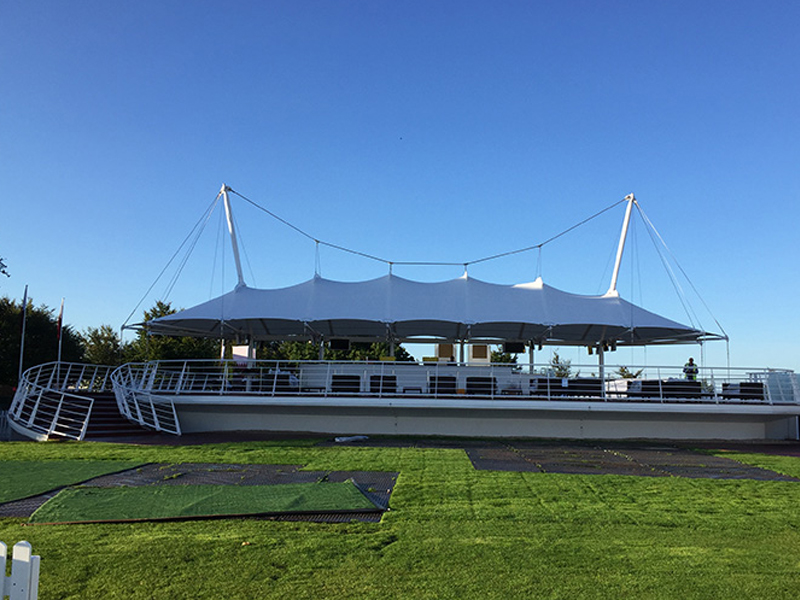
[(106, 420)]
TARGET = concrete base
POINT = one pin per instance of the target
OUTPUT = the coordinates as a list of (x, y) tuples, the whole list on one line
[(574, 420)]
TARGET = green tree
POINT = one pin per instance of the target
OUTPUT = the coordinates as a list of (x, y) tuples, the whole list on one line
[(41, 339), (158, 347), (373, 351), (498, 356), (287, 351), (310, 351), (626, 373), (102, 346), (561, 367)]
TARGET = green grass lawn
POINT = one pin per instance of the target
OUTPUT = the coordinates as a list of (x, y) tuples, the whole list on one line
[(163, 502), (453, 532), (25, 478)]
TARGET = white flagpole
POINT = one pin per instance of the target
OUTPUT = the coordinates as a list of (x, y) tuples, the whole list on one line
[(60, 325), (22, 338)]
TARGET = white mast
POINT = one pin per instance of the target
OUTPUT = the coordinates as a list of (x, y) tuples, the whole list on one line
[(232, 230), (612, 290)]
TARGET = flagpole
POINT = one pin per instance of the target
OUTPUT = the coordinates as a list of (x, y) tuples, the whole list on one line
[(22, 338), (60, 324)]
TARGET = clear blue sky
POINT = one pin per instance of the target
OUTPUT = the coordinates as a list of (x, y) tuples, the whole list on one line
[(412, 130)]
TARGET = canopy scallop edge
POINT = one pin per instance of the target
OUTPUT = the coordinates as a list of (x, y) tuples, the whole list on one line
[(394, 308)]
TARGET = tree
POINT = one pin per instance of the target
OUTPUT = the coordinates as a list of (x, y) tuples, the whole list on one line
[(287, 351), (41, 339), (3, 268), (310, 351), (373, 351), (156, 347), (626, 373), (561, 367), (102, 346), (498, 356)]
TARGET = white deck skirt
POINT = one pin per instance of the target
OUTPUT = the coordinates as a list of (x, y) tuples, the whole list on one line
[(489, 418)]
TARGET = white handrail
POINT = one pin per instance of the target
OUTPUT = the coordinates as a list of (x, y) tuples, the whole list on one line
[(42, 406), (167, 379), (139, 404)]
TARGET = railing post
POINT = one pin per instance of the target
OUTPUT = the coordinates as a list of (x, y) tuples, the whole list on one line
[(86, 420), (35, 408), (53, 422), (50, 381), (108, 382), (714, 386), (660, 387), (81, 376), (153, 370), (328, 379), (153, 411), (767, 390), (179, 385)]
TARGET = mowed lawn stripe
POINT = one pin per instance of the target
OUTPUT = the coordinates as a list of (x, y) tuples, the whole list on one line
[(26, 478)]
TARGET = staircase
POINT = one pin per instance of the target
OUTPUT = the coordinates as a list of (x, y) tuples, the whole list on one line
[(68, 401), (106, 421)]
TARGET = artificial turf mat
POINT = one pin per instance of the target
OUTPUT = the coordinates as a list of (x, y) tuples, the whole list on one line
[(25, 478), (190, 501)]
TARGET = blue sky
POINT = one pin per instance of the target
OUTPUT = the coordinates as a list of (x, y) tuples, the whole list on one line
[(412, 130)]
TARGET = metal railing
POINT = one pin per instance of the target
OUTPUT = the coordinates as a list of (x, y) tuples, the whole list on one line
[(145, 390), (49, 400), (134, 389)]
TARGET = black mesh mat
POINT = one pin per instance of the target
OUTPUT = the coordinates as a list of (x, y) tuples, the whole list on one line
[(639, 458), (605, 459), (377, 486)]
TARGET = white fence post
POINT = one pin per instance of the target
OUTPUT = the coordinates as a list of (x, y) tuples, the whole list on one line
[(23, 583)]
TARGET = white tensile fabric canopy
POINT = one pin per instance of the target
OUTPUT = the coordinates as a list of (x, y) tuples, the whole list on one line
[(394, 308)]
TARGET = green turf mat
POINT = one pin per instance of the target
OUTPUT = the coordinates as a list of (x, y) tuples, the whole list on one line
[(177, 501), (25, 478)]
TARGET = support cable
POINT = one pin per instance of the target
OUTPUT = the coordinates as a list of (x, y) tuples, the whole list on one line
[(697, 293), (420, 263), (203, 219), (547, 241), (216, 256), (671, 273), (182, 265)]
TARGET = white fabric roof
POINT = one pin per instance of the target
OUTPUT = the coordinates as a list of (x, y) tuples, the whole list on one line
[(391, 307)]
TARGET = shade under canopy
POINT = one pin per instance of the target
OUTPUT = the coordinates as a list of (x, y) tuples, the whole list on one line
[(395, 308)]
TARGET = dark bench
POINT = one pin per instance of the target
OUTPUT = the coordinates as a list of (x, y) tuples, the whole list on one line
[(744, 390), (656, 388), (481, 386), (383, 384), (280, 382), (439, 385), (345, 384), (577, 387)]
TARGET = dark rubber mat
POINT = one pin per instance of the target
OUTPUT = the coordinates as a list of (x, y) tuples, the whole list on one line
[(614, 459), (377, 486)]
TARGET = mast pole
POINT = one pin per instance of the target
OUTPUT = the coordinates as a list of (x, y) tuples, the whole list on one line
[(22, 334), (232, 231), (612, 290)]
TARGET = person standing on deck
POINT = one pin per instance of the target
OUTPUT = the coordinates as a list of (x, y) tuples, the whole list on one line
[(690, 370)]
